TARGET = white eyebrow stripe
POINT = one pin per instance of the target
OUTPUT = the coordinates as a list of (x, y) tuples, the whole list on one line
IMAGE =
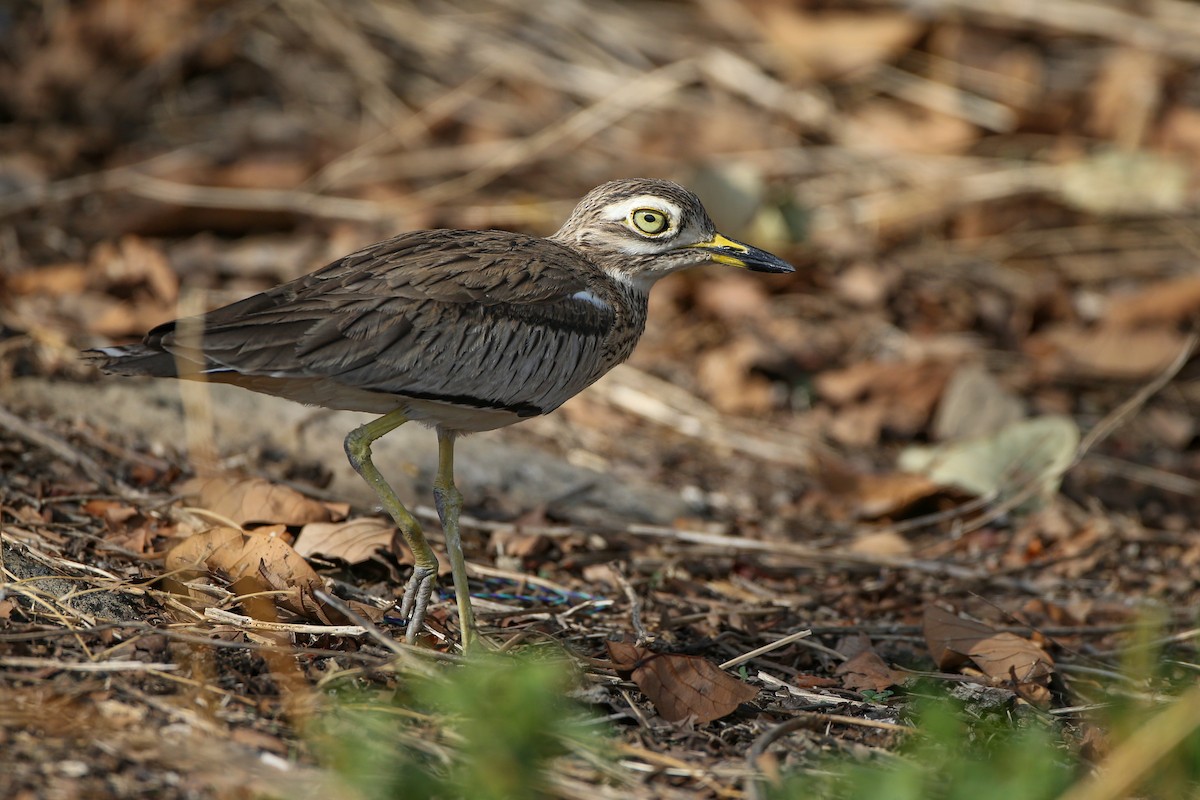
[(586, 296), (621, 209)]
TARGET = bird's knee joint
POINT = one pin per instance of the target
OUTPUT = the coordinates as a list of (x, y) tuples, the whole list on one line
[(358, 448)]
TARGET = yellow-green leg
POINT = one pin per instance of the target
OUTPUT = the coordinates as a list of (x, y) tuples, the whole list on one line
[(449, 506), (420, 585)]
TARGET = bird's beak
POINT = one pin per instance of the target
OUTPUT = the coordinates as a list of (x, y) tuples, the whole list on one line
[(724, 250)]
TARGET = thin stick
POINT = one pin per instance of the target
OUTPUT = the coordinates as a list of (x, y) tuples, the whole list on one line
[(250, 623), (766, 648), (83, 666)]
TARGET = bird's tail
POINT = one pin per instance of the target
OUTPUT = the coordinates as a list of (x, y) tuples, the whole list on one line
[(133, 359)]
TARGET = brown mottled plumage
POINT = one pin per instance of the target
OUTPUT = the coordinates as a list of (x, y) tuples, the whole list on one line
[(462, 330)]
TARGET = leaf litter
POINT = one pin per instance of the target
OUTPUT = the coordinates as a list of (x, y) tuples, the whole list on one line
[(992, 216)]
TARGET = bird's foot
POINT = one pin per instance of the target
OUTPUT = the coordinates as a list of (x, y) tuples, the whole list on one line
[(416, 599)]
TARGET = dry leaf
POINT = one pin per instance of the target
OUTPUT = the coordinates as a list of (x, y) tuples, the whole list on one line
[(1118, 183), (1126, 95), (133, 262), (53, 279), (726, 375), (1001, 656), (354, 541), (1005, 656), (681, 686), (877, 496), (881, 543), (238, 555), (974, 404), (1034, 451), (949, 637), (834, 44), (868, 670), (1162, 303), (247, 500), (877, 395), (885, 125), (515, 543), (1106, 352)]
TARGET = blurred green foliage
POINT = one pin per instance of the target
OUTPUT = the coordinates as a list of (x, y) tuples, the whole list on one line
[(486, 730)]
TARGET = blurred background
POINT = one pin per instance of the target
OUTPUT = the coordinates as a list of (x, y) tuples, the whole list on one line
[(977, 391), (998, 190)]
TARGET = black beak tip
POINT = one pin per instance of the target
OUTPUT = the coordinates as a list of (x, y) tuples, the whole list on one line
[(762, 261)]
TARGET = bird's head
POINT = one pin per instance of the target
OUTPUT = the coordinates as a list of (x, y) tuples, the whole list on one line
[(641, 229)]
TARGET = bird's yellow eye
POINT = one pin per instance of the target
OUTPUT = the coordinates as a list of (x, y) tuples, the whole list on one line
[(650, 220)]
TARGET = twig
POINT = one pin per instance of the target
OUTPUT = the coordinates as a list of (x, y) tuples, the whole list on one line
[(293, 200), (811, 554), (250, 623), (83, 666), (766, 648), (375, 632), (635, 608)]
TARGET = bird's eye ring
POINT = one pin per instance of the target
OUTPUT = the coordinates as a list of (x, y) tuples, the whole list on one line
[(650, 221)]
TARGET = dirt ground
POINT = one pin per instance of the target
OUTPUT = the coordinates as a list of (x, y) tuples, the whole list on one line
[(958, 445)]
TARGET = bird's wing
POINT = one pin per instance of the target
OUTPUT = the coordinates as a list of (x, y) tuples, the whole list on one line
[(490, 319)]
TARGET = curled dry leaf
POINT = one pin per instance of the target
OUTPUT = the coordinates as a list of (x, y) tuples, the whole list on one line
[(1001, 656), (681, 686), (1033, 451), (268, 560), (354, 541), (249, 500)]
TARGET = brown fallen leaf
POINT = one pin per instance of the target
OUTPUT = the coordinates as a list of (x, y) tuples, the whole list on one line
[(1106, 352), (864, 668), (515, 543), (1163, 303), (949, 637), (133, 263), (868, 670), (814, 46), (681, 686), (881, 543), (1001, 656), (1005, 655), (248, 500), (354, 541), (873, 396), (239, 555), (53, 279)]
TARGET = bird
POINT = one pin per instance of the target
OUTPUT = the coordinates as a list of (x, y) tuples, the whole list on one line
[(462, 331)]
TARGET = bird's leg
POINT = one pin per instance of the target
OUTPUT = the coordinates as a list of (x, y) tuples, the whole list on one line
[(449, 506), (420, 585)]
